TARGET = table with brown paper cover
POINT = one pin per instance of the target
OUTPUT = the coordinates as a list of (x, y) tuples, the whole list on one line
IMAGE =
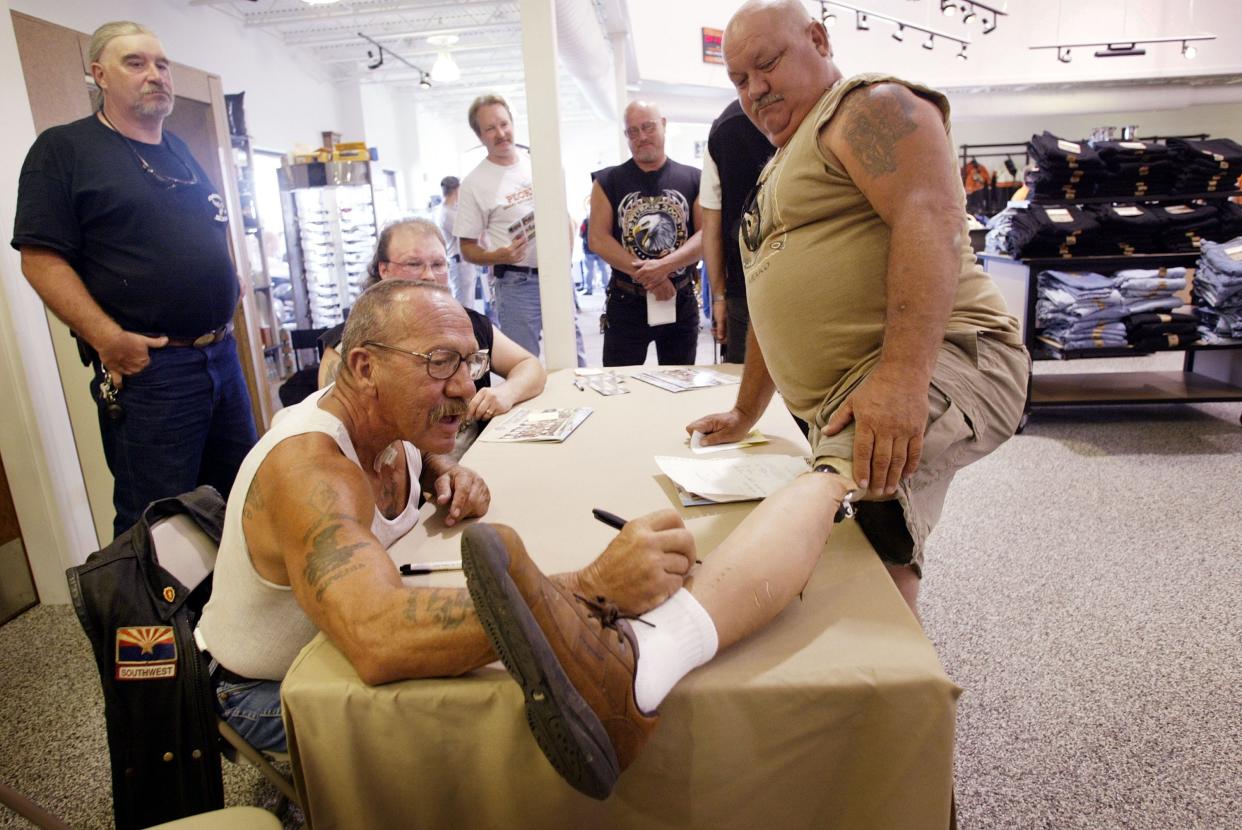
[(838, 714)]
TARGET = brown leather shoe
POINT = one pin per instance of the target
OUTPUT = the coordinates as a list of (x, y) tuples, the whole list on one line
[(573, 658)]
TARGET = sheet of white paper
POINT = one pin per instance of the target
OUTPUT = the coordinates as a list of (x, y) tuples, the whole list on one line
[(728, 479), (752, 438), (661, 312)]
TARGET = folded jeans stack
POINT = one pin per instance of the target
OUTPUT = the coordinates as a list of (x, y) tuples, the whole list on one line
[(1187, 225), (1150, 296), (1076, 311), (1129, 229), (1207, 166), (1066, 170), (1044, 231), (1218, 291), (1135, 169)]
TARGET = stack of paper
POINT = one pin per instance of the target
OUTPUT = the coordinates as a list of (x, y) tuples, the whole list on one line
[(525, 424), (680, 379), (708, 480)]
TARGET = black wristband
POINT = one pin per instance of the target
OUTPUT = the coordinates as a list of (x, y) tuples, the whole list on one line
[(845, 510)]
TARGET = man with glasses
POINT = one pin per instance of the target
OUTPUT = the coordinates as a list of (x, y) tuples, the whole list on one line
[(336, 481), (645, 223), (125, 238), (413, 249)]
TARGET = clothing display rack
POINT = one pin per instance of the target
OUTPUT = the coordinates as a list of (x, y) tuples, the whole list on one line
[(1209, 373)]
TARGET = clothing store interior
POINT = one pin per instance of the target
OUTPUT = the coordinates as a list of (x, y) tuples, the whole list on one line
[(855, 446)]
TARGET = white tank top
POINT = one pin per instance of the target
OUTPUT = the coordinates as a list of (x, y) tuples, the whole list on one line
[(255, 627)]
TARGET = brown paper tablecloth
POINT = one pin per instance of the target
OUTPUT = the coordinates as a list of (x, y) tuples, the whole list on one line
[(836, 715)]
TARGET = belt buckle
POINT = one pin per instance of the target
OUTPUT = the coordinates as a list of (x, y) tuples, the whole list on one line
[(204, 340)]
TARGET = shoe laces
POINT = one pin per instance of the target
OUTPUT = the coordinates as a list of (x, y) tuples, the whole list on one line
[(607, 612)]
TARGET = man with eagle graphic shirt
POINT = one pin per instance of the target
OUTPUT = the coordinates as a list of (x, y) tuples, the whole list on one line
[(645, 223)]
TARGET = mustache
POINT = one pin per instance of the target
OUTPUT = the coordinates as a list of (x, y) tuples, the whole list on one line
[(767, 100), (154, 88), (451, 409)]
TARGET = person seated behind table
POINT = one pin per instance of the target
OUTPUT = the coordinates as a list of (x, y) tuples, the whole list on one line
[(322, 495), (413, 249)]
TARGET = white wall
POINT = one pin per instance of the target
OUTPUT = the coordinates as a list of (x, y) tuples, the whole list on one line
[(669, 49), (288, 101)]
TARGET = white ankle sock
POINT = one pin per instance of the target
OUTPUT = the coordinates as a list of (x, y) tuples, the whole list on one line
[(681, 638)]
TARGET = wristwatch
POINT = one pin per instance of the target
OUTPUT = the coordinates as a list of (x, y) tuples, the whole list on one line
[(846, 509)]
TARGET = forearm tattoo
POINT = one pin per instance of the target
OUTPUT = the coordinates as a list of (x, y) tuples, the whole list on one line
[(445, 608), (873, 127)]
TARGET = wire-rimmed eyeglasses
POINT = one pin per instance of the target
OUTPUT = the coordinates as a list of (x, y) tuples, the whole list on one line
[(647, 128), (417, 267), (442, 364)]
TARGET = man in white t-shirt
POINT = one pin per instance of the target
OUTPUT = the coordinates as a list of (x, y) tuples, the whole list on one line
[(495, 224)]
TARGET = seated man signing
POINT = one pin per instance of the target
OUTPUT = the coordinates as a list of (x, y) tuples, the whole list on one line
[(336, 481)]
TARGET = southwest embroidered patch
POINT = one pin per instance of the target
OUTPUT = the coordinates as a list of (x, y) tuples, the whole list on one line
[(146, 652)]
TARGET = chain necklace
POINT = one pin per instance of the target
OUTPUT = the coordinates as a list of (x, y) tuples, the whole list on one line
[(167, 181)]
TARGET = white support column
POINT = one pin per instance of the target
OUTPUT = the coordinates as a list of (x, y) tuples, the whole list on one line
[(552, 240), (620, 72)]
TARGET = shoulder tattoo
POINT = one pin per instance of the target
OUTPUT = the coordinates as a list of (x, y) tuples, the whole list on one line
[(874, 123)]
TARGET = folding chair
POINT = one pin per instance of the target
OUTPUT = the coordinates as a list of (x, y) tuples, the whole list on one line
[(138, 600), (189, 554)]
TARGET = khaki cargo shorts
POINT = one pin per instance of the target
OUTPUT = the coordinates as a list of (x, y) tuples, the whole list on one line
[(976, 399)]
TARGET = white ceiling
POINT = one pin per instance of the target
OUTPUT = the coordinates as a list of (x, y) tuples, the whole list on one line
[(488, 48)]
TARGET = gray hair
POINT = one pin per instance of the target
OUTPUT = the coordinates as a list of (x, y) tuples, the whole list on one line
[(104, 35), (377, 313), (417, 224)]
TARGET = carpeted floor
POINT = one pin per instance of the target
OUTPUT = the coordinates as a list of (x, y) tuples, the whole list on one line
[(1083, 588)]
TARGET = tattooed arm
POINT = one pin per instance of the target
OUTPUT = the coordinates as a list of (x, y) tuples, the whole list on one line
[(894, 146), (307, 522)]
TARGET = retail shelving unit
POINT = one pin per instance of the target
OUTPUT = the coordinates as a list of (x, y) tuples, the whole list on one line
[(1209, 373), (330, 223)]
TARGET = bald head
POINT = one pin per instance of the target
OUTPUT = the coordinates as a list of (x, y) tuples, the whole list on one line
[(391, 310), (780, 61), (644, 130)]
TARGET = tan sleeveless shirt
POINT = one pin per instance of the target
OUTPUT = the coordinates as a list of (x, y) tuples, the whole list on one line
[(815, 283)]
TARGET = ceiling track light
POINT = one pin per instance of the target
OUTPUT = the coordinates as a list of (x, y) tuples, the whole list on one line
[(962, 54), (862, 22), (830, 20), (973, 8), (1126, 48), (424, 80)]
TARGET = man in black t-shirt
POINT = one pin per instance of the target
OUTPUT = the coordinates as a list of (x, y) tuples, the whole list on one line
[(124, 237), (645, 223), (736, 154)]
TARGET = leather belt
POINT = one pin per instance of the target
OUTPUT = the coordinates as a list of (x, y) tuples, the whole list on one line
[(636, 290), (203, 340), (501, 270)]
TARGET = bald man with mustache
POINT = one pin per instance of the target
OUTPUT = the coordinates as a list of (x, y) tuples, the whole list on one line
[(868, 311)]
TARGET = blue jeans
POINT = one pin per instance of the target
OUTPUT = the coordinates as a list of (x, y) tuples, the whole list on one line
[(520, 315), (252, 708), (593, 264), (187, 421)]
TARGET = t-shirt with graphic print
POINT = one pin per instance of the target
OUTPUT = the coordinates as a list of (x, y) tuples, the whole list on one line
[(496, 205), (652, 215)]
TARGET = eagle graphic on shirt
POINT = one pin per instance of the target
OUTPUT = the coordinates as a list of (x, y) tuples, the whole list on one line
[(653, 226)]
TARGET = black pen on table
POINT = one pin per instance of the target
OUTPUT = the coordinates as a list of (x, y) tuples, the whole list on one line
[(616, 522)]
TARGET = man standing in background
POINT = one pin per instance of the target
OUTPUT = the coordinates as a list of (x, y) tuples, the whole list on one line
[(736, 153), (124, 237), (645, 223), (461, 280)]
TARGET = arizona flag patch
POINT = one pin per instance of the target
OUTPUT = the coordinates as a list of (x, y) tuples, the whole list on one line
[(146, 652)]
